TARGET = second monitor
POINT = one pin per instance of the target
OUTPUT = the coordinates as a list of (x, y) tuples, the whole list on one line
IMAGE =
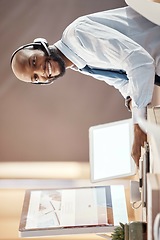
[(110, 150)]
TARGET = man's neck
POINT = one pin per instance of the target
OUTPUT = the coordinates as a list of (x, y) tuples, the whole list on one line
[(68, 63)]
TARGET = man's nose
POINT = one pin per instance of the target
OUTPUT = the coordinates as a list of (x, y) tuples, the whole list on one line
[(41, 71)]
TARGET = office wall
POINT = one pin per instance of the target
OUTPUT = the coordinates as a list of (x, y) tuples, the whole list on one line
[(49, 123)]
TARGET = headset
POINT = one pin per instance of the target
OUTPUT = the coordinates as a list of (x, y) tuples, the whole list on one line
[(38, 43)]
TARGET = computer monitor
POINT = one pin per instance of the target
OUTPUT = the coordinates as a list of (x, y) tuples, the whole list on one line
[(110, 150)]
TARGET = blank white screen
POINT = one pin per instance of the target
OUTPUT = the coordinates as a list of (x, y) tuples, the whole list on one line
[(111, 151)]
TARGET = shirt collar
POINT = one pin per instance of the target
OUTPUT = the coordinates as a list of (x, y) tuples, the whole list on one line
[(73, 57)]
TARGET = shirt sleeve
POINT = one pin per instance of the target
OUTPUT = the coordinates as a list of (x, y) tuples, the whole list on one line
[(108, 45)]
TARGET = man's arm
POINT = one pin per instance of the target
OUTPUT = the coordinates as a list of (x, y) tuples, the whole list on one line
[(139, 136), (139, 139)]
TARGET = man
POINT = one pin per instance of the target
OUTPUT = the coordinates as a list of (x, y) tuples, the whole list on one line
[(117, 46)]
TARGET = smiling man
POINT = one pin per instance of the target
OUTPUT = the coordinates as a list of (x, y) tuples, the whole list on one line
[(39, 65), (118, 46)]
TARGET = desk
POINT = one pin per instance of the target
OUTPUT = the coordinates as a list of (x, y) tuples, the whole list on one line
[(153, 208), (153, 115)]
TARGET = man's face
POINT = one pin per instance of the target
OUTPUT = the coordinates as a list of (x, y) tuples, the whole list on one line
[(32, 65)]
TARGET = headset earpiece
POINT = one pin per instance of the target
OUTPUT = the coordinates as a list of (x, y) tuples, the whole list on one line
[(41, 40), (41, 43)]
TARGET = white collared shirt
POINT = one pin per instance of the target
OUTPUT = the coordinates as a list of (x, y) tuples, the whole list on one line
[(117, 39)]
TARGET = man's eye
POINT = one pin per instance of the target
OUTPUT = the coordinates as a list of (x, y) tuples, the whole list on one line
[(36, 78), (34, 61)]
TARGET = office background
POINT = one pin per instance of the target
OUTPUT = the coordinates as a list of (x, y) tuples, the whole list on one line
[(44, 129)]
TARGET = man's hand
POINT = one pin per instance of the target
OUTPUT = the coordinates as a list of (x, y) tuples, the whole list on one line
[(139, 139)]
